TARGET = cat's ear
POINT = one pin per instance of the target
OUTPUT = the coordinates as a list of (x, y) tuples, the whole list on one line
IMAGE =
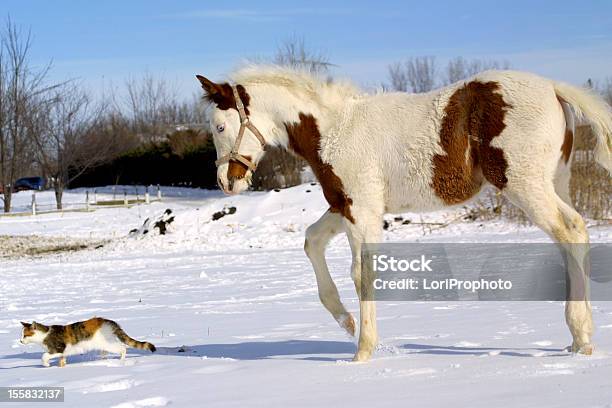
[(40, 327), (24, 324)]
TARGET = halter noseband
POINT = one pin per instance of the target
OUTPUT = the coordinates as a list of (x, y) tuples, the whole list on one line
[(233, 155)]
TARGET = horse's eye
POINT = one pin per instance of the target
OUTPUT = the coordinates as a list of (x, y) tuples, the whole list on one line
[(220, 128)]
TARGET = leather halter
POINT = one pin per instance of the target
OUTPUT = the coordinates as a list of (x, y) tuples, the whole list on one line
[(245, 123)]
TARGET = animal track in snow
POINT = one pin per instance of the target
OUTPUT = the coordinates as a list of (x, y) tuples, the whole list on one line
[(215, 369), (111, 363), (548, 373), (543, 343), (113, 386), (147, 402), (467, 344)]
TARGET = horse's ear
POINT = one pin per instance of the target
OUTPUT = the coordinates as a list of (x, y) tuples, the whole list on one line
[(210, 87), (222, 94)]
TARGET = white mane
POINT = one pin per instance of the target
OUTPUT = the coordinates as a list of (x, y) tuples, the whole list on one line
[(294, 79)]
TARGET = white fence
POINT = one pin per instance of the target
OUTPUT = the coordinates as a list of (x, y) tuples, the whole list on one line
[(87, 199)]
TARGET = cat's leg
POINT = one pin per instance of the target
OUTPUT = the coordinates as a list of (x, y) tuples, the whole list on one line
[(45, 359), (48, 356), (122, 350), (118, 348)]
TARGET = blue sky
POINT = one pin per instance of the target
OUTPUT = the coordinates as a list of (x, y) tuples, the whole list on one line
[(103, 42)]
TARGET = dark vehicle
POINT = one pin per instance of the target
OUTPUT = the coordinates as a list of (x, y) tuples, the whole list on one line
[(30, 183)]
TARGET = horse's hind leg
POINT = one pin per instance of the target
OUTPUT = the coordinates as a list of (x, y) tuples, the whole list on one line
[(318, 236), (560, 221), (576, 312)]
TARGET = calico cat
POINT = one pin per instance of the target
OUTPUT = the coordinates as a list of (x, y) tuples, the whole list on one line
[(93, 334)]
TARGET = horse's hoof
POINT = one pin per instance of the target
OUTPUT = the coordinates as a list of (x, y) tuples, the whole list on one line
[(362, 356), (586, 349), (347, 323)]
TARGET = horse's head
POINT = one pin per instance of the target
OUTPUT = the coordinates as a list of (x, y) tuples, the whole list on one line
[(239, 143)]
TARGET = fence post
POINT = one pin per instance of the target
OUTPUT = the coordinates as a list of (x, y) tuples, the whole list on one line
[(87, 200), (147, 198), (95, 196), (125, 200), (33, 203), (114, 192), (159, 195)]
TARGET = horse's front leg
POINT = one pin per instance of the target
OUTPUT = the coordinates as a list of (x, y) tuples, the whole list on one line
[(318, 236), (366, 229)]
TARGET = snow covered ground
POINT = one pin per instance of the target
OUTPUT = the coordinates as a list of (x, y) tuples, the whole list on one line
[(232, 307)]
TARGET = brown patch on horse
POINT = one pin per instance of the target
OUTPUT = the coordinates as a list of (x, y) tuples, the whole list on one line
[(236, 169), (568, 140), (568, 143), (222, 94), (473, 116), (305, 140)]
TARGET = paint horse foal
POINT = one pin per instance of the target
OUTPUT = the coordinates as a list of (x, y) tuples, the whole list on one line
[(396, 152)]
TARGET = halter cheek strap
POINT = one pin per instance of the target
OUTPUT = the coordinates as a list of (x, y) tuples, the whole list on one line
[(245, 123)]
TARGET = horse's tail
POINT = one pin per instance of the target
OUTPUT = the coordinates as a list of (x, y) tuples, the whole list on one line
[(592, 109)]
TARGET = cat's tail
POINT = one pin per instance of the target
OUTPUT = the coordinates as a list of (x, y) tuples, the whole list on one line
[(124, 338)]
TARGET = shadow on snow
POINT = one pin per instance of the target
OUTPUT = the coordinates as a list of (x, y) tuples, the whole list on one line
[(312, 350), (480, 351), (257, 350)]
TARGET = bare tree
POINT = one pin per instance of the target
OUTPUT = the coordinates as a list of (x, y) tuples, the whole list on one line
[(294, 53), (64, 136), (606, 90), (20, 89), (416, 74), (398, 77), (186, 141), (421, 73), (460, 68), (457, 69), (114, 129), (153, 107)]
